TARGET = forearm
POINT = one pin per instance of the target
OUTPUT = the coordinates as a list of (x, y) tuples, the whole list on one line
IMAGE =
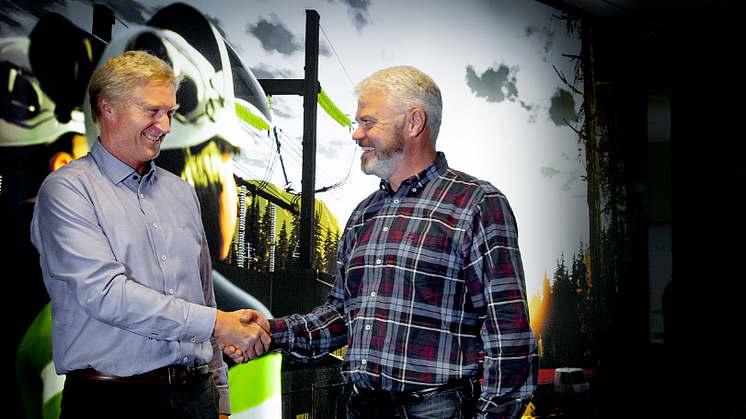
[(508, 385), (312, 335), (511, 354)]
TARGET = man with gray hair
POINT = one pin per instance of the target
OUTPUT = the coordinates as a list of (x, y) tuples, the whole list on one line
[(430, 298), (126, 263)]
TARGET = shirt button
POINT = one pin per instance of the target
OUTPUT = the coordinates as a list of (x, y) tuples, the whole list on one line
[(163, 257), (378, 261), (155, 225), (373, 294), (414, 189), (186, 359), (364, 362), (171, 292), (141, 196), (396, 201), (367, 327), (194, 340), (385, 229)]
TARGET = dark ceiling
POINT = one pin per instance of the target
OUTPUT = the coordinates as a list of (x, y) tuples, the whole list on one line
[(658, 16), (672, 39)]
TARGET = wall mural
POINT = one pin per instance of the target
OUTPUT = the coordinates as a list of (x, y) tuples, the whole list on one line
[(505, 120)]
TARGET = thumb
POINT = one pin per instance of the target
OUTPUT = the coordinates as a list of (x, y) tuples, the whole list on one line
[(252, 316), (248, 317)]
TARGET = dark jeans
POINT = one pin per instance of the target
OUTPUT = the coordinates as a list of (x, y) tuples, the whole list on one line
[(450, 404), (83, 399)]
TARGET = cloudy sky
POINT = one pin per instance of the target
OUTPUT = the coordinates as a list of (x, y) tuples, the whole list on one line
[(504, 104)]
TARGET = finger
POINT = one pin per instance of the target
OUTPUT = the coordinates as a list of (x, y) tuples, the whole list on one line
[(264, 323), (258, 348), (259, 319), (252, 316), (237, 357), (248, 316), (266, 340)]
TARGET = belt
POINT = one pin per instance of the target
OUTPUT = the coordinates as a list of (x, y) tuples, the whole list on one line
[(174, 374), (408, 398)]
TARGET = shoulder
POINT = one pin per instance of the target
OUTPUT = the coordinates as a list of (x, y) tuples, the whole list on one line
[(473, 189), (75, 172), (174, 188), (170, 180), (166, 176), (487, 201)]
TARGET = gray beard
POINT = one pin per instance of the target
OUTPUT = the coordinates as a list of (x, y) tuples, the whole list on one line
[(386, 161), (384, 166)]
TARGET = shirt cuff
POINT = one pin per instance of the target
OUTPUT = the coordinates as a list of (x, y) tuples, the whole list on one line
[(200, 323), (224, 405), (278, 330)]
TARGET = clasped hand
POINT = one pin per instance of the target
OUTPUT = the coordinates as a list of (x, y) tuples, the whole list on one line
[(243, 334)]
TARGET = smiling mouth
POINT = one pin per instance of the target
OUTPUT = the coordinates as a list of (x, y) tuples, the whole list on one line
[(155, 138)]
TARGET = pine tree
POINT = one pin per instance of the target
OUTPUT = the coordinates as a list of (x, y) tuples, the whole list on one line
[(565, 316), (261, 248), (318, 257), (291, 252), (252, 233), (281, 248), (330, 252)]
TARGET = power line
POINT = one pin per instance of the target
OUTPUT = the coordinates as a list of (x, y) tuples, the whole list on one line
[(337, 55)]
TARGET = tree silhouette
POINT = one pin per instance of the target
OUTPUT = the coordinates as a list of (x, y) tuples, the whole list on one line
[(330, 252), (613, 135), (281, 248)]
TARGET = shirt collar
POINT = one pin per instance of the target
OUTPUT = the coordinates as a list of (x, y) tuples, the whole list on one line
[(435, 169), (116, 170)]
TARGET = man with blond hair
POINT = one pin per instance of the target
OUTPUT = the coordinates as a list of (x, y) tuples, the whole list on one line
[(125, 261)]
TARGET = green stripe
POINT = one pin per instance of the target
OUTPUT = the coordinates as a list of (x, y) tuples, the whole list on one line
[(254, 382), (52, 408), (250, 118), (330, 108)]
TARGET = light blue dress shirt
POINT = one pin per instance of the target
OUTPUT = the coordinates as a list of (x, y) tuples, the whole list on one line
[(126, 264)]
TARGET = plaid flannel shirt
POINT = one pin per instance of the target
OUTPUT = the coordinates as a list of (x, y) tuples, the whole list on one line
[(430, 288)]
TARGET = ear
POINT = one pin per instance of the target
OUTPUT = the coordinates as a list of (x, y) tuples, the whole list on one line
[(103, 105), (417, 122)]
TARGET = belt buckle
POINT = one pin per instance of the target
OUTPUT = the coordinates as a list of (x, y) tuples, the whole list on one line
[(170, 371), (182, 375)]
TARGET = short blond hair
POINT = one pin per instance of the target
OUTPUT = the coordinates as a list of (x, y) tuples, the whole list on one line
[(117, 80)]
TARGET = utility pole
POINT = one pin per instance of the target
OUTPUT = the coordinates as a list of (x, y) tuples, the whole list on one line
[(310, 102), (309, 88)]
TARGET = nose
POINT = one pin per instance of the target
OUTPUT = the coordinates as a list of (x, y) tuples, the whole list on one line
[(163, 123), (358, 134)]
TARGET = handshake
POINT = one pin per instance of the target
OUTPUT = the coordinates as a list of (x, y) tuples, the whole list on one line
[(242, 335)]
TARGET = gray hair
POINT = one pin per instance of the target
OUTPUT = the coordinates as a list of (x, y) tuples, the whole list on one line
[(117, 80), (407, 88)]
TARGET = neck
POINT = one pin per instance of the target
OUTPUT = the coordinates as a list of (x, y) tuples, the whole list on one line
[(413, 164)]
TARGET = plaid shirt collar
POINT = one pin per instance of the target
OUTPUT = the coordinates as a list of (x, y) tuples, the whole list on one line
[(435, 169)]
